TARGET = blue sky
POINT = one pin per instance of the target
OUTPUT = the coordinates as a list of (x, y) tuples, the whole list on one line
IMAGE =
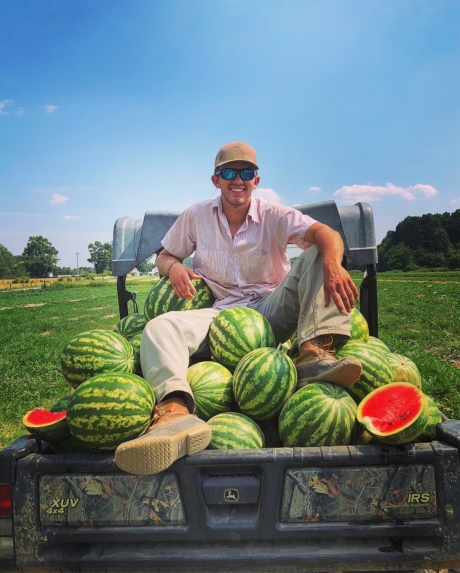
[(113, 108)]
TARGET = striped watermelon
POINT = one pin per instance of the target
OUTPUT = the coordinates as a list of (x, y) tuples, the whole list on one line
[(162, 298), (109, 409), (211, 385), (131, 325), (136, 344), (61, 404), (434, 418), (359, 329), (404, 370), (263, 380), (232, 431), (394, 414), (372, 340), (46, 425), (376, 370), (235, 332), (93, 352), (319, 414)]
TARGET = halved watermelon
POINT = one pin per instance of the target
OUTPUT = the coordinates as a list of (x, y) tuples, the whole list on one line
[(46, 425), (395, 413)]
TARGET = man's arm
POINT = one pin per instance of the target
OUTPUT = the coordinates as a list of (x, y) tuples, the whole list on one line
[(178, 274), (338, 284)]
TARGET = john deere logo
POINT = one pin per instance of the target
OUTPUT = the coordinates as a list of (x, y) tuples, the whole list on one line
[(231, 495)]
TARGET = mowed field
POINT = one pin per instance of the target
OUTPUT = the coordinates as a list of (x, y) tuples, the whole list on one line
[(419, 316)]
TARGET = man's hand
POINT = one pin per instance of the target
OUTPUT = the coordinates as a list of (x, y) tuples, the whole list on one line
[(339, 286), (180, 276)]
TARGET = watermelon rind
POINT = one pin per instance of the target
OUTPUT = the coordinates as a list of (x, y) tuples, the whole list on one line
[(374, 341), (232, 431), (56, 430), (376, 371), (434, 418), (262, 382), (389, 405), (359, 329), (93, 352), (131, 325), (162, 298), (319, 414), (404, 369), (211, 385), (237, 331), (109, 409)]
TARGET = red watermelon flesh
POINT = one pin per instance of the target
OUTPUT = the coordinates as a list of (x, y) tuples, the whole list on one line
[(40, 417), (396, 413)]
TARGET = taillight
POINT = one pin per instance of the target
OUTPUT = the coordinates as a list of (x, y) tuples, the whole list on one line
[(6, 504)]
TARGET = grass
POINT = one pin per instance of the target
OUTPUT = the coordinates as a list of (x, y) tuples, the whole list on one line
[(418, 317)]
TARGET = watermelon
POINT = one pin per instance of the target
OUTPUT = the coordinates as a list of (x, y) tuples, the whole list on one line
[(235, 332), (162, 298), (93, 352), (376, 370), (263, 380), (232, 431), (404, 370), (372, 340), (109, 409), (211, 385), (61, 404), (136, 344), (131, 325), (434, 418), (319, 414), (46, 425), (394, 414), (359, 329)]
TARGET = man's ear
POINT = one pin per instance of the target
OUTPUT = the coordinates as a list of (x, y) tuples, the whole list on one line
[(216, 181), (256, 181)]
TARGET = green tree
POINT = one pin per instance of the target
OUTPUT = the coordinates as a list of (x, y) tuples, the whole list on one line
[(399, 257), (6, 263), (101, 256), (145, 267), (40, 257)]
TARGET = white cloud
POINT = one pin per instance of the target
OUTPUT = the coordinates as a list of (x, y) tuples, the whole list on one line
[(49, 109), (371, 193), (455, 201), (3, 104), (57, 198), (71, 217), (267, 194), (20, 111), (315, 189)]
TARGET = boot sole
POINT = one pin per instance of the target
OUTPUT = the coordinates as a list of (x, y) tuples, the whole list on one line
[(343, 375), (151, 454)]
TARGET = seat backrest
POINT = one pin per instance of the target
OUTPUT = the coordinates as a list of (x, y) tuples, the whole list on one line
[(135, 240)]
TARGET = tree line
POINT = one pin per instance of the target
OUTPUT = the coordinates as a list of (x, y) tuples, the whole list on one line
[(426, 241), (40, 258)]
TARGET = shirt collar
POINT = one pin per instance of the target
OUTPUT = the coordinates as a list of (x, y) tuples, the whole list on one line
[(253, 208)]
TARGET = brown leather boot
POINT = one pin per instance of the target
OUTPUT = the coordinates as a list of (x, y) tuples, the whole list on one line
[(317, 363), (172, 434)]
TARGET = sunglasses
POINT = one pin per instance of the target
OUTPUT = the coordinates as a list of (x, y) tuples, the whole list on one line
[(229, 174)]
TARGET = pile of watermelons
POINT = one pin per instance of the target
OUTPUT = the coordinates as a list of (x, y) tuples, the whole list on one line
[(246, 392)]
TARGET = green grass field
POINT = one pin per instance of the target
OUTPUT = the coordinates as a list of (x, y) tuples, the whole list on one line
[(418, 317)]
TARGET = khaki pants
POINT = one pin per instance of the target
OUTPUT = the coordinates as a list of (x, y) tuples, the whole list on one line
[(297, 303)]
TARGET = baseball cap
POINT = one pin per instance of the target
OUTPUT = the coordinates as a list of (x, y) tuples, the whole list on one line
[(236, 151)]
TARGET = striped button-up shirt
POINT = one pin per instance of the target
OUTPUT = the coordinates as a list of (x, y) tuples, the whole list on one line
[(247, 266)]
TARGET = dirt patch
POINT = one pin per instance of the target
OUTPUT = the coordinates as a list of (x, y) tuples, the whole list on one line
[(6, 307), (55, 318), (36, 304), (99, 308), (76, 300), (47, 333), (456, 363), (110, 315)]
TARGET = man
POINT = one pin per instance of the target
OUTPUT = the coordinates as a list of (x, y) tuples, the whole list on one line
[(240, 247)]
